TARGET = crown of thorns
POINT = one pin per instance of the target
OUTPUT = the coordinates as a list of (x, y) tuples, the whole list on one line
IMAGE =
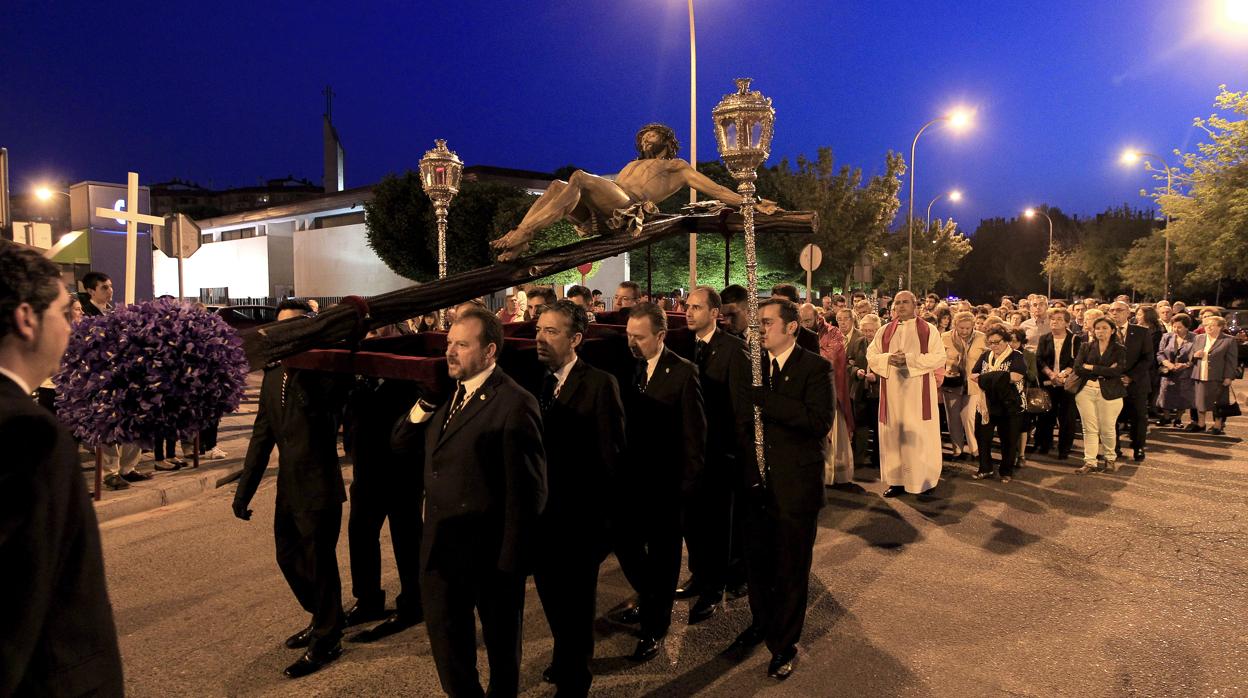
[(668, 135)]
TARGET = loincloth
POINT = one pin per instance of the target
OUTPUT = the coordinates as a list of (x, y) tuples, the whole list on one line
[(631, 218)]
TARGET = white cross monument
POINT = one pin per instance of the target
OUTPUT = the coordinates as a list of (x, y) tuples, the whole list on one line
[(132, 219)]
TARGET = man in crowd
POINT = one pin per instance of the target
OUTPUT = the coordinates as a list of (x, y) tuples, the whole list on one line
[(58, 634), (724, 374), (1037, 325), (806, 339), (581, 296), (538, 297), (905, 354), (583, 432), (1136, 375), (98, 298), (485, 485), (735, 310), (666, 449), (783, 500), (627, 294), (297, 415)]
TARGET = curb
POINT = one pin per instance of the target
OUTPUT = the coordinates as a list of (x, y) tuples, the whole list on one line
[(143, 499)]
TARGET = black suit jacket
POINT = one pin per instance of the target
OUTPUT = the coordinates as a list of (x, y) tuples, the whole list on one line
[(1045, 353), (305, 430), (1140, 356), (724, 377), (797, 416), (666, 427), (1107, 368), (807, 339), (56, 624), (485, 480), (583, 434)]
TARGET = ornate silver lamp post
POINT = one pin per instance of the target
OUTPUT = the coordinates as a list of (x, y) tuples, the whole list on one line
[(440, 172), (744, 123)]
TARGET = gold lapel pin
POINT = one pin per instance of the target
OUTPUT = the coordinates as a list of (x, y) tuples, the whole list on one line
[(667, 370), (482, 397)]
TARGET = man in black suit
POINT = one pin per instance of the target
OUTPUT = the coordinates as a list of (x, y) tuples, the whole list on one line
[(297, 415), (485, 485), (583, 432), (58, 636), (1055, 361), (734, 309), (723, 373), (797, 399), (1137, 375), (806, 338), (666, 448)]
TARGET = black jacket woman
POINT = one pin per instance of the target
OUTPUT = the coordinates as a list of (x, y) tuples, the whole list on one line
[(999, 372), (1099, 391)]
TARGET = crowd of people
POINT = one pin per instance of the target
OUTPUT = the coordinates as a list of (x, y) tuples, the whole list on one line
[(547, 475)]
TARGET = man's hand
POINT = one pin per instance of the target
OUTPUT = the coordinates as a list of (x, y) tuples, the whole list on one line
[(241, 511), (1126, 380), (897, 358), (766, 207), (870, 377)]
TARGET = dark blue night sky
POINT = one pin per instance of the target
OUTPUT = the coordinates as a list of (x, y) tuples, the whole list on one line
[(227, 93)]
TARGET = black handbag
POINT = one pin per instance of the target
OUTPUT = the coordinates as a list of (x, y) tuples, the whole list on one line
[(1230, 409), (1037, 401)]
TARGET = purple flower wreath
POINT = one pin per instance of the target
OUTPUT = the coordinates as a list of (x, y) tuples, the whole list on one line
[(148, 371)]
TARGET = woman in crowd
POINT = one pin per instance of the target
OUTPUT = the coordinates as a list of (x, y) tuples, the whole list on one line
[(1018, 342), (427, 323), (1177, 391), (1055, 361), (1098, 369), (944, 318), (865, 390), (1146, 316), (999, 371), (1216, 355), (1015, 318), (847, 321), (963, 345), (1090, 317)]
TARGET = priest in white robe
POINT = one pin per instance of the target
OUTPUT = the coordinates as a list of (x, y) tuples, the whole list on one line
[(906, 354)]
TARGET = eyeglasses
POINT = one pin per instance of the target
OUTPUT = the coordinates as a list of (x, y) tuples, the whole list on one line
[(993, 342)]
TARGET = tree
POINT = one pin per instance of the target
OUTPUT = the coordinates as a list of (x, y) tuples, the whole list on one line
[(1069, 274), (1209, 227), (938, 250)]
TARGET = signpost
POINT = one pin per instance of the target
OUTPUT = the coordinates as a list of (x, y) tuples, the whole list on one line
[(810, 260), (132, 219), (179, 238)]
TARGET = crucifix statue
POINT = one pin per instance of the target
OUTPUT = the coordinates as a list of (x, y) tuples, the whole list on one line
[(132, 218)]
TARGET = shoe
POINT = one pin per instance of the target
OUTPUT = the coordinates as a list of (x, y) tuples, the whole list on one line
[(1137, 455), (688, 590), (981, 476), (703, 609), (165, 466), (215, 454), (956, 454), (895, 491), (1005, 479), (548, 674), (959, 457), (1111, 466), (114, 482), (647, 648), (1216, 431), (178, 462), (736, 591), (365, 613), (1117, 453), (396, 623), (781, 665), (749, 638), (300, 639), (135, 476), (631, 615), (1086, 468), (1194, 428), (312, 661), (1062, 455)]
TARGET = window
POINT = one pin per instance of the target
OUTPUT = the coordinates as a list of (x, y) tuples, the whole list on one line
[(206, 238), (353, 218)]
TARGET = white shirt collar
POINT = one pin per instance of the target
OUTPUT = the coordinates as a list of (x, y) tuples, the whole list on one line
[(562, 374), (652, 364), (16, 379), (709, 334), (783, 356), (473, 384)]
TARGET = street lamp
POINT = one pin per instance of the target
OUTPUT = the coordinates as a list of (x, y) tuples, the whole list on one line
[(1132, 156), (959, 119), (440, 172), (1032, 213), (45, 194), (955, 196), (744, 123)]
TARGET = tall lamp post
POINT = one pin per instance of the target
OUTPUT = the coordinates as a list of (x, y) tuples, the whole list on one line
[(440, 172), (693, 141), (744, 124), (959, 119), (1032, 213), (955, 196), (1130, 157)]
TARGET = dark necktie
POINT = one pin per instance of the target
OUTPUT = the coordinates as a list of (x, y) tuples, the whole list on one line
[(775, 374), (548, 391), (456, 403), (700, 353), (639, 376)]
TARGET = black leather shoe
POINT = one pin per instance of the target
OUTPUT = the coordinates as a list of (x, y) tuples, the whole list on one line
[(703, 608), (895, 491), (114, 482), (647, 647), (1137, 455), (1063, 455), (749, 638), (736, 591), (165, 466), (312, 661), (365, 613), (631, 616), (688, 590), (396, 623), (135, 476), (300, 639), (781, 665)]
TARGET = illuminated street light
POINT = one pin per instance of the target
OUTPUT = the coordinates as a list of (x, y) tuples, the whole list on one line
[(1131, 156), (959, 119), (955, 196), (1235, 12), (1032, 213), (45, 194)]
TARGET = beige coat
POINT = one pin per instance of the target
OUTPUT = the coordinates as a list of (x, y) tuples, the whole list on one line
[(964, 360)]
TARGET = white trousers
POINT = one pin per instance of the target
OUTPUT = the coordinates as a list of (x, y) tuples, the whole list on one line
[(120, 459), (1100, 417), (960, 413)]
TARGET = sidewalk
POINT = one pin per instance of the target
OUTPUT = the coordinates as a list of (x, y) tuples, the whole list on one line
[(168, 487)]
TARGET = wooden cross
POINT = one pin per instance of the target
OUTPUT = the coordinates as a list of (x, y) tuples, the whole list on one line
[(132, 218)]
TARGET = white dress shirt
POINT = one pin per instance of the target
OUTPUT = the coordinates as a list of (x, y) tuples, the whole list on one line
[(783, 356), (652, 364), (562, 374)]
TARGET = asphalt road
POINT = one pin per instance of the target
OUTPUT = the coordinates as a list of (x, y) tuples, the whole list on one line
[(1132, 584)]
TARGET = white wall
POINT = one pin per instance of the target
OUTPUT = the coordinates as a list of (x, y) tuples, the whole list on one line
[(240, 265), (339, 262)]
